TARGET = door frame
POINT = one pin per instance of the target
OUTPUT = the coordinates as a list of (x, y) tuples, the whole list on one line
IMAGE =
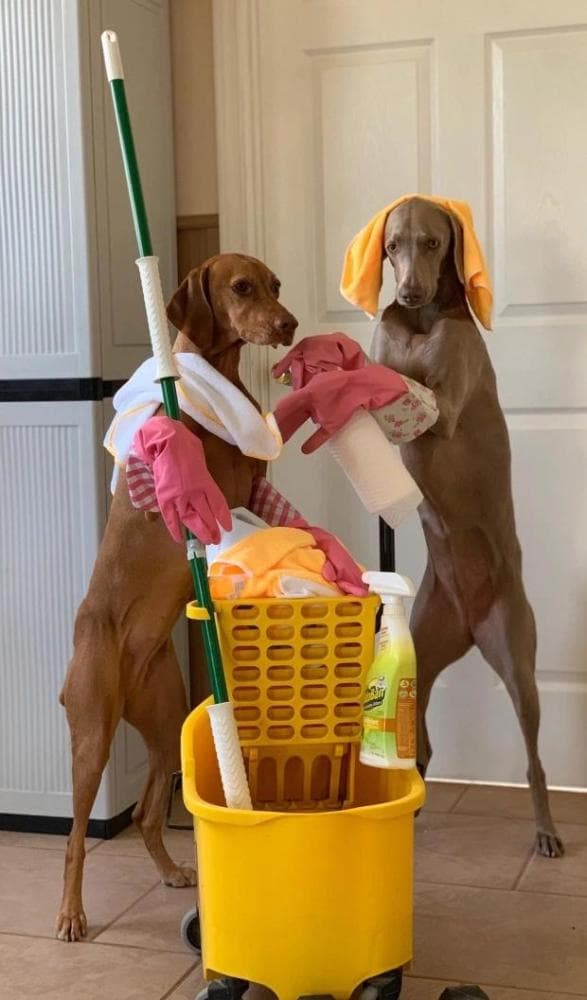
[(240, 160)]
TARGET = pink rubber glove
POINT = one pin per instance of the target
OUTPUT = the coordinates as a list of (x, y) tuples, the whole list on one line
[(340, 567), (186, 492), (331, 399), (322, 353)]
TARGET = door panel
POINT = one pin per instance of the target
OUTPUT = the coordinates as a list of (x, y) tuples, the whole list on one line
[(358, 103)]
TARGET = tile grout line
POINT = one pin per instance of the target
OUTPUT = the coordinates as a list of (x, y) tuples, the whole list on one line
[(91, 941), (459, 798), (523, 870), (496, 986), (181, 980), (150, 949), (423, 883), (122, 913)]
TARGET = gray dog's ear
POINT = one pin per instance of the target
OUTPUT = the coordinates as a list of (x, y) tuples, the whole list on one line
[(457, 245), (189, 310)]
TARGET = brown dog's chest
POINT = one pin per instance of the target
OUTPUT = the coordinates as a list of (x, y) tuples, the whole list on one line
[(232, 471)]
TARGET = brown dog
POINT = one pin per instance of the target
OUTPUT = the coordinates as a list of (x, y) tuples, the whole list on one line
[(472, 592), (123, 664)]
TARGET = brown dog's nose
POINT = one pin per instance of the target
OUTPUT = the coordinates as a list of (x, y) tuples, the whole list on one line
[(286, 324)]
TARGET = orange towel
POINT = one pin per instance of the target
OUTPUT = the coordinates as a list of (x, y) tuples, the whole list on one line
[(362, 271), (273, 562)]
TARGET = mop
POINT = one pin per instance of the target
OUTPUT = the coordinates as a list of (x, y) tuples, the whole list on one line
[(221, 714)]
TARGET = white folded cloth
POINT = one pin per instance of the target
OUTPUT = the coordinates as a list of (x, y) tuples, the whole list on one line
[(206, 396)]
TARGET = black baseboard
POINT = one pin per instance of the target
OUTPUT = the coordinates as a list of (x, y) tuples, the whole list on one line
[(41, 390), (101, 829)]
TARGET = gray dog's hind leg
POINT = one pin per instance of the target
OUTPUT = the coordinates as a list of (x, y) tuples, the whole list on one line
[(507, 640), (441, 637)]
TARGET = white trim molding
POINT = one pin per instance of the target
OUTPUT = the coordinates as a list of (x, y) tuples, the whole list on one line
[(240, 158)]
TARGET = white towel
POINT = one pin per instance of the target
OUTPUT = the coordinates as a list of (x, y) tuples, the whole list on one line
[(206, 396), (244, 523)]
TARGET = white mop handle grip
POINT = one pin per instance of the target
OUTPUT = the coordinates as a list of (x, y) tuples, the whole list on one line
[(157, 317), (229, 756), (375, 468), (112, 57)]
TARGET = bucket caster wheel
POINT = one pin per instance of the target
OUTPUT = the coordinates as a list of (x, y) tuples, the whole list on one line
[(227, 988), (190, 931), (387, 986)]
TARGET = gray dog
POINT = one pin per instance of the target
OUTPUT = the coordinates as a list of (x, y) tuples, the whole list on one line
[(472, 593)]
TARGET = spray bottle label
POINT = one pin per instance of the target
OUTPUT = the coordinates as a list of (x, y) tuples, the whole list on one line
[(406, 718), (375, 693)]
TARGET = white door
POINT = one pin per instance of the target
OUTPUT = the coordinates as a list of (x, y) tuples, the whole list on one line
[(328, 110)]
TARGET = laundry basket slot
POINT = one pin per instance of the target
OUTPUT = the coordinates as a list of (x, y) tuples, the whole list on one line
[(295, 671)]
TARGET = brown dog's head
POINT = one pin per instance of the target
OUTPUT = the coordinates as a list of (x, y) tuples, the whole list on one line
[(424, 245), (230, 299)]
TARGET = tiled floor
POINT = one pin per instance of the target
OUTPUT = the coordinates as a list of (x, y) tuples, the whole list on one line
[(487, 911)]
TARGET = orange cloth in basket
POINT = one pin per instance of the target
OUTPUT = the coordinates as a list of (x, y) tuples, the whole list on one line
[(272, 562)]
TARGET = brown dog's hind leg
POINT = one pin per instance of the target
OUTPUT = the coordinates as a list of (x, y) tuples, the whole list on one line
[(93, 709), (441, 636), (507, 640), (158, 710)]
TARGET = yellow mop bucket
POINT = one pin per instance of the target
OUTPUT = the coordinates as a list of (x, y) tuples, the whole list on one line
[(302, 902)]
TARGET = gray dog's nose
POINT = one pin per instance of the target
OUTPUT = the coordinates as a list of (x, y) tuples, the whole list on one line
[(412, 297)]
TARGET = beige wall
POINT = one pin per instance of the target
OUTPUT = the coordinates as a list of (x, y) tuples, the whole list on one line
[(193, 107)]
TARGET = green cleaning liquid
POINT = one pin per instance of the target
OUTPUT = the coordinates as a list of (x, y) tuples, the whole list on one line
[(389, 705)]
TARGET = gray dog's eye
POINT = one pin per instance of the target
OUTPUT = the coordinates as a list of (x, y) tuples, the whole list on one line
[(242, 287), (392, 247), (432, 244)]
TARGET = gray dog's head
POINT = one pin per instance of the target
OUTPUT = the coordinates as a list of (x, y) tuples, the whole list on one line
[(421, 241)]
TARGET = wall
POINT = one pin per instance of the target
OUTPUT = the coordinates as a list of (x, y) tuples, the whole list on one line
[(193, 107)]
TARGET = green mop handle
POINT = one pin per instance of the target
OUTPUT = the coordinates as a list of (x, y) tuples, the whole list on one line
[(159, 333)]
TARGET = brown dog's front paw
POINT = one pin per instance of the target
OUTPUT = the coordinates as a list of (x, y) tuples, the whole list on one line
[(71, 926), (549, 845), (180, 877)]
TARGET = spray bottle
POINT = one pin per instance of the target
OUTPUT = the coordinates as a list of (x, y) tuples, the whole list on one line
[(389, 707)]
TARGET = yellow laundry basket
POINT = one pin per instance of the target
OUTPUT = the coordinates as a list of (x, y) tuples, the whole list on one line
[(305, 903), (295, 672)]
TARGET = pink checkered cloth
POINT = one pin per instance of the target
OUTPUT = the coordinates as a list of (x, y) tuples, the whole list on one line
[(266, 502), (141, 484)]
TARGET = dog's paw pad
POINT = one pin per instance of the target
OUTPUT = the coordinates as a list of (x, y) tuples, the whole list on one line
[(549, 845), (180, 877), (71, 926)]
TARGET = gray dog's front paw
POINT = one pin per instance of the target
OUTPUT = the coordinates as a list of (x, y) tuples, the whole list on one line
[(549, 845)]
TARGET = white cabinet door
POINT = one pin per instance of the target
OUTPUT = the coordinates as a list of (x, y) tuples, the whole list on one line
[(45, 238), (328, 110), (52, 503), (143, 31)]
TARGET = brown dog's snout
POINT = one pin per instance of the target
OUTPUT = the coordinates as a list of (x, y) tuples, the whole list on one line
[(285, 325)]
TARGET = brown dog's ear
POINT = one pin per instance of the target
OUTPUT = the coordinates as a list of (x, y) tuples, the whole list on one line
[(457, 245), (189, 310)]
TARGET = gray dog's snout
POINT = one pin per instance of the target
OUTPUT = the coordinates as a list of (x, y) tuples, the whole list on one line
[(411, 295)]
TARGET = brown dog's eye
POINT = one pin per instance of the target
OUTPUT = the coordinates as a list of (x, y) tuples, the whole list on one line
[(432, 244), (242, 287), (275, 287)]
